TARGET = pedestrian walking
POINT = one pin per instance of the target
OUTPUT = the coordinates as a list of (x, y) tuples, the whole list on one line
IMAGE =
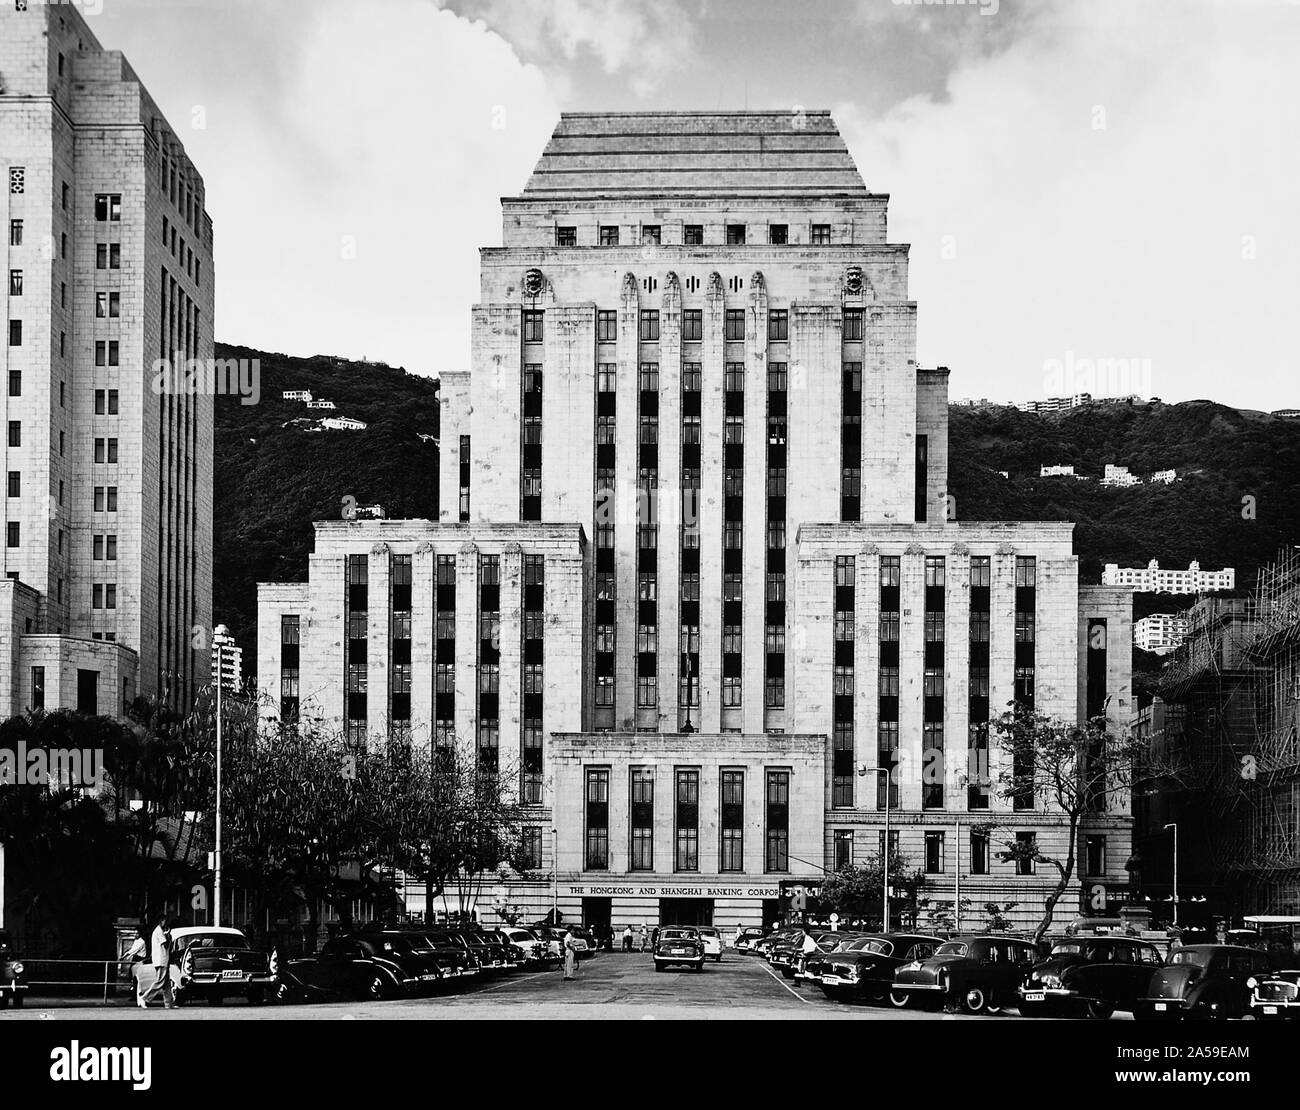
[(570, 956), (627, 938), (654, 937), (645, 935), (161, 946)]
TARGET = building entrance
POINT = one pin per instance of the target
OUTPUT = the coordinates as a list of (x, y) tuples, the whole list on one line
[(596, 912), (685, 911)]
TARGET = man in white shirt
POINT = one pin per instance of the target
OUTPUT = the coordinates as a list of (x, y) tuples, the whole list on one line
[(161, 943)]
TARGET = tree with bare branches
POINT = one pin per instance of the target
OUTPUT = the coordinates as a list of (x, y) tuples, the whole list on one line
[(1070, 771)]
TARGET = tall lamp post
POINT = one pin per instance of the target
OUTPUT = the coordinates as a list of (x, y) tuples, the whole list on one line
[(219, 635), (555, 877), (1174, 825), (863, 769)]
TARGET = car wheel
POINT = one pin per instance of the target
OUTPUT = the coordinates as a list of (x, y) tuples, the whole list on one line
[(215, 999), (4, 1001), (256, 997), (283, 993), (787, 973), (374, 988), (699, 966), (900, 1000), (18, 1001), (658, 966), (1100, 1010), (974, 1000)]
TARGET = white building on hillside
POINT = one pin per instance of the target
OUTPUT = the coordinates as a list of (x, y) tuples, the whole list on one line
[(1160, 633), (1152, 580), (1119, 476)]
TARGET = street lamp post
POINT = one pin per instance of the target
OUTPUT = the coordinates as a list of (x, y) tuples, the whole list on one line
[(555, 877), (887, 772), (688, 728), (1174, 825), (218, 635)]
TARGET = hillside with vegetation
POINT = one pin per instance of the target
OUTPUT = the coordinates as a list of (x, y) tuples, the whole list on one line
[(1234, 504), (273, 477)]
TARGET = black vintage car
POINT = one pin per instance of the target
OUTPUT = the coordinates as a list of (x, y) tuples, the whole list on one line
[(864, 970), (12, 987), (212, 963), (679, 944), (367, 966), (978, 974), (1203, 981), (1092, 975), (1275, 994)]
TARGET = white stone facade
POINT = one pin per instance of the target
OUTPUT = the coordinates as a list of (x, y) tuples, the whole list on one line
[(109, 473), (695, 352)]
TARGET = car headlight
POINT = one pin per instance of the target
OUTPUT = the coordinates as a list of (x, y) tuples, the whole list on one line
[(16, 968), (1252, 982), (941, 978)]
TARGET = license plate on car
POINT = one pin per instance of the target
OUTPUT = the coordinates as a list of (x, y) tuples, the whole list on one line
[(1161, 1006), (1035, 996), (1270, 1009), (232, 975)]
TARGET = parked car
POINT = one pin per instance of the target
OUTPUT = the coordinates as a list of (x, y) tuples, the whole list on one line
[(1275, 994), (763, 946), (530, 948), (1092, 975), (785, 951), (744, 939), (501, 949), (212, 964), (980, 974), (454, 961), (807, 965), (1203, 981), (712, 942), (12, 987), (864, 969), (679, 944), (355, 967), (552, 939)]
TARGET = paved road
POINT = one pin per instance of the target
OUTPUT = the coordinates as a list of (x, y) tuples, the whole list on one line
[(613, 985)]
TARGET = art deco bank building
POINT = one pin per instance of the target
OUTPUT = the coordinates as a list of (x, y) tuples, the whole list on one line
[(696, 580)]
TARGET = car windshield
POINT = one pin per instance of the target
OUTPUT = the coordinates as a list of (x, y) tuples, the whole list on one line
[(873, 945), (1191, 956), (678, 934), (212, 940), (709, 932), (952, 948)]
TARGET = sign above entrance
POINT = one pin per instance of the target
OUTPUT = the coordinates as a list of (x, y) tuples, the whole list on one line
[(641, 890)]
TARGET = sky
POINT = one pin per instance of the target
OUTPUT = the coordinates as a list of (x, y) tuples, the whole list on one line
[(1100, 195)]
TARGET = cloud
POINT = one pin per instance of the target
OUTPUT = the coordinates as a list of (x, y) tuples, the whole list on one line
[(363, 241), (643, 43), (1110, 185)]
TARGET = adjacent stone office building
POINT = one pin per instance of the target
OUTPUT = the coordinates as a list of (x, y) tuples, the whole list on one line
[(108, 481), (694, 362)]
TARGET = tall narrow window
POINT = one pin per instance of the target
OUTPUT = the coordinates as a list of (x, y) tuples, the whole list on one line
[(357, 607), (776, 821), (597, 819), (731, 821), (686, 819), (289, 667), (642, 819)]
